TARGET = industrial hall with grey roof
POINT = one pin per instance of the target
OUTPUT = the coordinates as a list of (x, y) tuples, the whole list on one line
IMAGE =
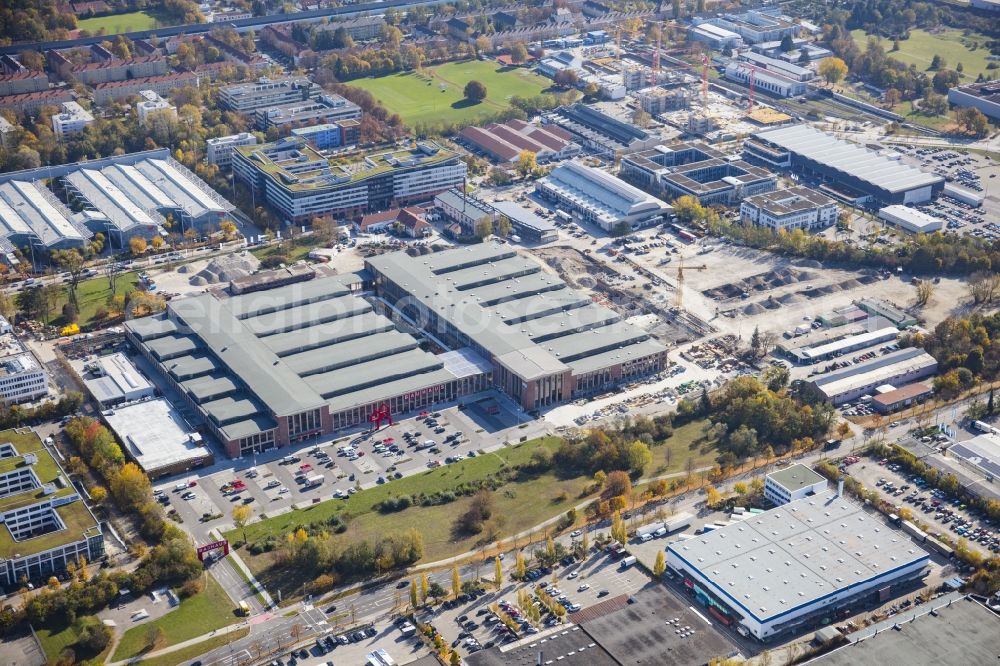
[(276, 366), (547, 343)]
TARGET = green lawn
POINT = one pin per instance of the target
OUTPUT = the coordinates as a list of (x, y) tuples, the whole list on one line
[(55, 641), (197, 615), (185, 655), (951, 45), (92, 294), (940, 123), (130, 22), (298, 248), (523, 504), (419, 99)]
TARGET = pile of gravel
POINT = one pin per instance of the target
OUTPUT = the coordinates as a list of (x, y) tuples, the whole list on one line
[(226, 269), (753, 309)]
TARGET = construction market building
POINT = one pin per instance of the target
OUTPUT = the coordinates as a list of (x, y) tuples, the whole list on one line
[(784, 570), (847, 170), (301, 183), (546, 343), (277, 366)]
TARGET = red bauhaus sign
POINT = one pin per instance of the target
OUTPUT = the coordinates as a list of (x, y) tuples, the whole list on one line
[(223, 544)]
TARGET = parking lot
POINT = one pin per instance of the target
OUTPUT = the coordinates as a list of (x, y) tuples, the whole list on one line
[(471, 626), (942, 514), (972, 172), (275, 482), (353, 646)]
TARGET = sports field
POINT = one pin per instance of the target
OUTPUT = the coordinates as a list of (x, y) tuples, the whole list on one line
[(435, 93), (951, 45), (116, 23)]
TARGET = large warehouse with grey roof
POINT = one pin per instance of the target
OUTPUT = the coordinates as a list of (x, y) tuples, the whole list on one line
[(547, 342), (790, 567), (277, 366), (847, 168)]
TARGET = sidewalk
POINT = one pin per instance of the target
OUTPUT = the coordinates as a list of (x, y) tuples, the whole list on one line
[(193, 641)]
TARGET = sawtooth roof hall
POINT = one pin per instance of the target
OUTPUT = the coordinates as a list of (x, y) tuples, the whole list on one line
[(547, 343), (277, 366), (281, 365)]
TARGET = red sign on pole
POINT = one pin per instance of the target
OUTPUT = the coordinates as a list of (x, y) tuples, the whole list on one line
[(223, 544)]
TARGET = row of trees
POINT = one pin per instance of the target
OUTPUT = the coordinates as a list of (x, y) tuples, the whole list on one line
[(128, 484), (925, 254)]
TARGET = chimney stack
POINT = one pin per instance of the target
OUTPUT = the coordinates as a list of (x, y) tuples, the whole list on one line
[(840, 488)]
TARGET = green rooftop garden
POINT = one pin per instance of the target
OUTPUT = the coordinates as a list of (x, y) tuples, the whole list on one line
[(76, 517), (274, 169)]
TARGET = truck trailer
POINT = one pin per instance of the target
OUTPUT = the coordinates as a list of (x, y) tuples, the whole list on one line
[(678, 521)]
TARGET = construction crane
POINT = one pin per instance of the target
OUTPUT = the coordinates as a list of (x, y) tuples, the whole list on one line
[(618, 54), (654, 75), (679, 299), (704, 81)]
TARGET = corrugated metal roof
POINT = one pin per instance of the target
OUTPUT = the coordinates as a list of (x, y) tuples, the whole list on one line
[(849, 158)]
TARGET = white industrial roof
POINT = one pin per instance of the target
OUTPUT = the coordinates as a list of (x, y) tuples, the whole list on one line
[(26, 208), (770, 564), (129, 195), (911, 218), (108, 198), (874, 372), (125, 375), (155, 434), (715, 31), (611, 198), (866, 338), (849, 158)]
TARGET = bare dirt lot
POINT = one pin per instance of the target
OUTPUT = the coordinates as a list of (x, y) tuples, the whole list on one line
[(780, 292)]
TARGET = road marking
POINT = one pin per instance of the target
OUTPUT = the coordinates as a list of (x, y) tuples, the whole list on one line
[(705, 619)]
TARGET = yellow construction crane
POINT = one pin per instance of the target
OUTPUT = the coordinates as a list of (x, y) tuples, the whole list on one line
[(679, 299)]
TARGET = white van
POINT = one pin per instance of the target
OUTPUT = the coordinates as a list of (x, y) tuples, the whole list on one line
[(648, 536), (180, 486)]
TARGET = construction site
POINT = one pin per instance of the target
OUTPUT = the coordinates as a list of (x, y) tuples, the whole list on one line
[(628, 289), (740, 289)]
